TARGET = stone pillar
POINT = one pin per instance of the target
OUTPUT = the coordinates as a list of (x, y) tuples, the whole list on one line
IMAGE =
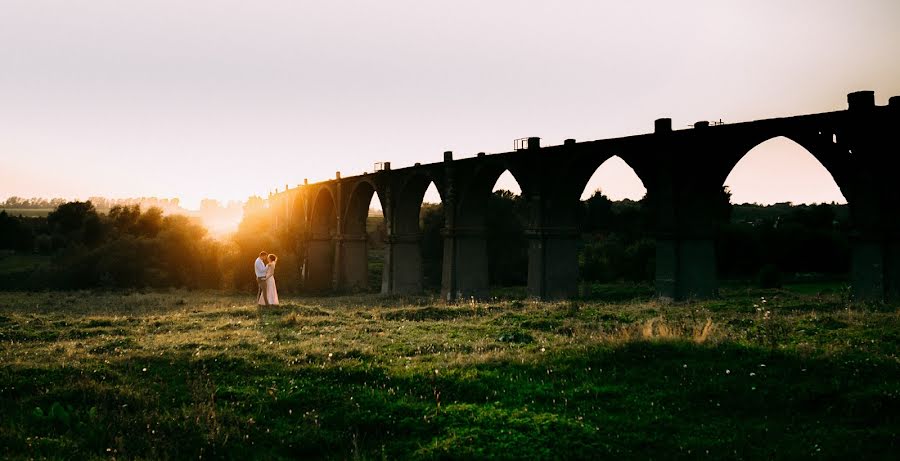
[(465, 272), (892, 269), (696, 270), (448, 267), (338, 264), (553, 262), (402, 265), (354, 262), (871, 133), (867, 269), (685, 232), (685, 267), (666, 266), (449, 291), (387, 207), (875, 254), (448, 270), (319, 259)]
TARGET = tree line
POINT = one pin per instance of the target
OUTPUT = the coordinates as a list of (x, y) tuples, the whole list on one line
[(130, 247), (99, 203)]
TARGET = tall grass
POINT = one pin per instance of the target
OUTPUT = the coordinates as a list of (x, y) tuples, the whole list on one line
[(757, 374)]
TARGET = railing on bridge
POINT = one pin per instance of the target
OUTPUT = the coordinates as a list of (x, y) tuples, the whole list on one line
[(527, 143)]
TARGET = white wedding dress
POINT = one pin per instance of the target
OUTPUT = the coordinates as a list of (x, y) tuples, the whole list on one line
[(271, 289)]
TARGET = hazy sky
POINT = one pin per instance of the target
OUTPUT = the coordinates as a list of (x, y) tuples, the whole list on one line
[(227, 99)]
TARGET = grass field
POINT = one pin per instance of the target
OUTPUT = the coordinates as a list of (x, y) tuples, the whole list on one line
[(772, 374)]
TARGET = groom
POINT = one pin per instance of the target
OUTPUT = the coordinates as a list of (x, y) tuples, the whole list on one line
[(260, 267)]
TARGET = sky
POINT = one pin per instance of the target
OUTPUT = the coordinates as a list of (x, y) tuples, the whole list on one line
[(227, 99)]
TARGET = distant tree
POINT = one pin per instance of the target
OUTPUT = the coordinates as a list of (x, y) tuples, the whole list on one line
[(124, 218), (13, 202), (597, 214), (77, 222), (722, 206), (151, 222), (254, 205), (70, 217), (14, 235)]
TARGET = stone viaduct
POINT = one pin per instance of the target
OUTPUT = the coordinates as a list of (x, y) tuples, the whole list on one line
[(682, 171)]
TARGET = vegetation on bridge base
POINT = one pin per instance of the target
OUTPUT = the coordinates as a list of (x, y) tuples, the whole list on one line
[(759, 374)]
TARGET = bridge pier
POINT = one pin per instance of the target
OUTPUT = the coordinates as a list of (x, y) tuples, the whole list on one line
[(320, 257), (875, 255), (685, 267), (402, 265), (868, 270), (892, 270), (685, 233), (875, 266), (553, 263), (465, 264), (873, 144), (353, 263)]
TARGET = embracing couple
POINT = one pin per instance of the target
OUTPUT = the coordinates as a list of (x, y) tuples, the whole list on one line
[(264, 266)]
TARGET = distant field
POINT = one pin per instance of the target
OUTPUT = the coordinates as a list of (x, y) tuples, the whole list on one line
[(758, 374), (27, 212)]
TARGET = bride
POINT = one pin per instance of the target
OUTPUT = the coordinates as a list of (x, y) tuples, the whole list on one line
[(271, 290)]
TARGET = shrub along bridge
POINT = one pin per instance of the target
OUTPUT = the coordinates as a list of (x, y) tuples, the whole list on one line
[(682, 170)]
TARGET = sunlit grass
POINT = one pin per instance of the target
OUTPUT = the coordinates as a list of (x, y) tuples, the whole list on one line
[(756, 374)]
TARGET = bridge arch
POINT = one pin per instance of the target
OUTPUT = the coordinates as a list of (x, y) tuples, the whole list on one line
[(319, 270), (795, 161), (820, 144), (585, 166), (630, 186), (587, 163), (299, 218), (356, 241), (357, 209), (618, 242), (507, 217), (323, 213), (474, 197), (759, 237), (413, 258), (408, 202)]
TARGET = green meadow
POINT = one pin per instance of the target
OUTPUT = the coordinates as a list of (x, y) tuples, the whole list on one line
[(796, 373)]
